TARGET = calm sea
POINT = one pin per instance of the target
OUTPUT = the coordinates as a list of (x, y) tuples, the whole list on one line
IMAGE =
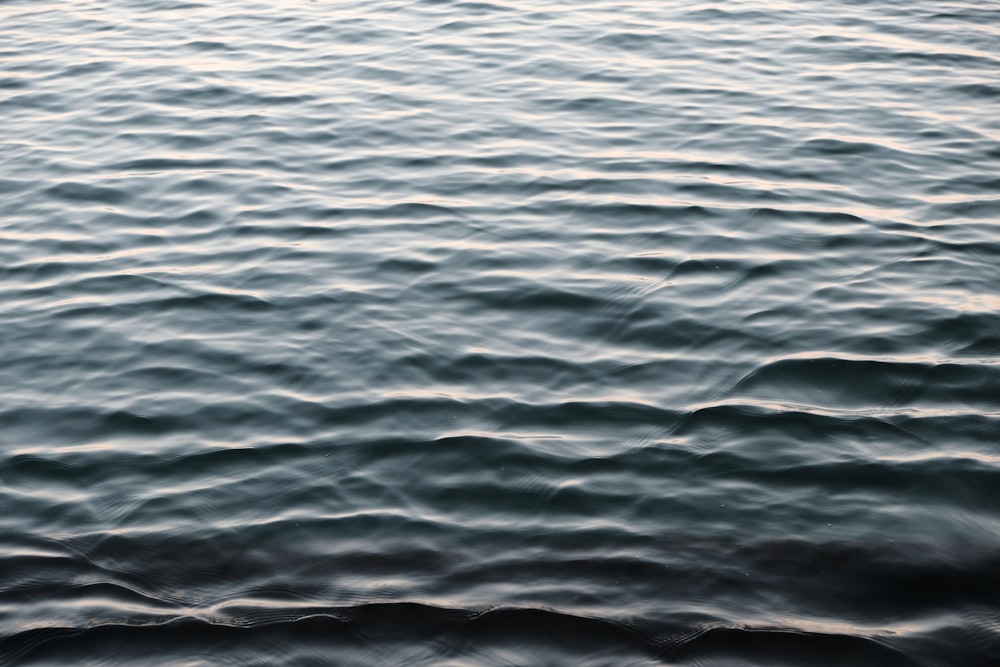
[(505, 333)]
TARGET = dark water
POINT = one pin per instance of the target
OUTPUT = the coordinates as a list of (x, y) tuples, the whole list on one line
[(500, 333)]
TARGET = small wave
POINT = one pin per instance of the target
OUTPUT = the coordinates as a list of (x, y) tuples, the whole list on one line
[(367, 629)]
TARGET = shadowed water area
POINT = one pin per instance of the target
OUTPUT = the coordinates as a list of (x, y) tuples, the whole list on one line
[(481, 334)]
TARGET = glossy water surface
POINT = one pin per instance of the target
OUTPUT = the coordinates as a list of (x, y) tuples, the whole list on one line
[(515, 332)]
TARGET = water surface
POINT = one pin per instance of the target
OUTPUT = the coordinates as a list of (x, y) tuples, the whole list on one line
[(500, 333)]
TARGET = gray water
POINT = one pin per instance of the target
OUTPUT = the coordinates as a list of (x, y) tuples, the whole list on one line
[(500, 333)]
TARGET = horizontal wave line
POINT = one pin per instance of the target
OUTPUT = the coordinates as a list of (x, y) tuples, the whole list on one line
[(412, 621)]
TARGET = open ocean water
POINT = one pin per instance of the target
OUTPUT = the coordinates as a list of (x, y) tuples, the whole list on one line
[(482, 334)]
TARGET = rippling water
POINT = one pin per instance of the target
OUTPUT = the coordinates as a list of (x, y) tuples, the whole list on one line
[(500, 333)]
